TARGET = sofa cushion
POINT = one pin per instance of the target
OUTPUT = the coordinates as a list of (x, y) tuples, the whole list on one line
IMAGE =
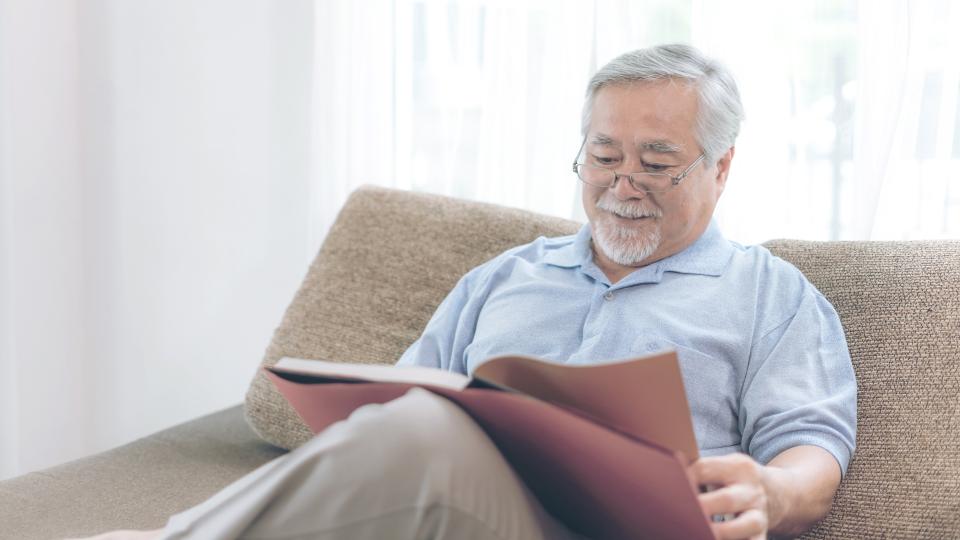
[(387, 262), (900, 307), (135, 486)]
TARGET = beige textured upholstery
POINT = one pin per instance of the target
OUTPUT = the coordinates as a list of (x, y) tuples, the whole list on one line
[(392, 256), (135, 486)]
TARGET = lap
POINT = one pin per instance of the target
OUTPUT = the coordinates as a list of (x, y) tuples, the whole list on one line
[(416, 467)]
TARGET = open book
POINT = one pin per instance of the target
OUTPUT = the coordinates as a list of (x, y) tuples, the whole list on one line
[(603, 447)]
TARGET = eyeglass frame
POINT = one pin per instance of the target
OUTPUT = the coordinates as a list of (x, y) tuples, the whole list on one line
[(674, 180)]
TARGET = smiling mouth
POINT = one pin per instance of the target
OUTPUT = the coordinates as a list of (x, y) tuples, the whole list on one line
[(629, 218)]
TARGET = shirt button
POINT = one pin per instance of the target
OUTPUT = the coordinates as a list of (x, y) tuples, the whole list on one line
[(608, 295)]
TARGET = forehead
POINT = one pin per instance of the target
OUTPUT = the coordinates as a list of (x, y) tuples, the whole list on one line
[(645, 115)]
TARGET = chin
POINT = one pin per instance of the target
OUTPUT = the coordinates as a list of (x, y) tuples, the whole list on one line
[(626, 245)]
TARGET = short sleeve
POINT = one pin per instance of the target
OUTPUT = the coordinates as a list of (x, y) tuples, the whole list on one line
[(800, 388)]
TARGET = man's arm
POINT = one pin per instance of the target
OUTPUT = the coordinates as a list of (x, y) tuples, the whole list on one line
[(802, 483), (786, 497)]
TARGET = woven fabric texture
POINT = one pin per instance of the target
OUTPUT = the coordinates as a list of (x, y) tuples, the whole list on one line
[(392, 256), (135, 486)]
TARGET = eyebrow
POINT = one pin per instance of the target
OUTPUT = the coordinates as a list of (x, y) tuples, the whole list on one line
[(659, 146), (603, 140)]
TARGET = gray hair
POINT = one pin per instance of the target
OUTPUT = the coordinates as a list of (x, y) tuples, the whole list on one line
[(720, 111)]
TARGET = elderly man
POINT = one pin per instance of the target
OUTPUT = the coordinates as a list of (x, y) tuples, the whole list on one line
[(763, 356)]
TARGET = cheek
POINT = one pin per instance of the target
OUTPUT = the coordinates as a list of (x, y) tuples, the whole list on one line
[(590, 197), (676, 213), (683, 213), (687, 209)]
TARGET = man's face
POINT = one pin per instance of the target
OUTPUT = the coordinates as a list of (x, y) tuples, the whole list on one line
[(648, 126)]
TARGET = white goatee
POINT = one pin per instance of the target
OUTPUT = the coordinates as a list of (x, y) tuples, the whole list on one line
[(625, 245)]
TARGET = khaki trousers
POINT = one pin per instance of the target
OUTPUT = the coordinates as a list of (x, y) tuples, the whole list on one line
[(415, 468)]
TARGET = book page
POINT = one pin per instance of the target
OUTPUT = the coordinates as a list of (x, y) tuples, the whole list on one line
[(643, 397), (371, 372)]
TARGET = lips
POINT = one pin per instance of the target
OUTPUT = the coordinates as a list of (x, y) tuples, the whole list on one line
[(630, 218)]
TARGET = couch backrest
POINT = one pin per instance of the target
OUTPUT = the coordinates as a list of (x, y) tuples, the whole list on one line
[(392, 256)]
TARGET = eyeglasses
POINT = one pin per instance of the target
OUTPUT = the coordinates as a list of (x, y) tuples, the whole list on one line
[(649, 182)]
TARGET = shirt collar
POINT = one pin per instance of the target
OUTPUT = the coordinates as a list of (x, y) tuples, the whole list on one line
[(708, 255), (574, 254)]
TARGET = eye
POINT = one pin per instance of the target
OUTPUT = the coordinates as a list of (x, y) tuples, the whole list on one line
[(655, 167), (604, 161)]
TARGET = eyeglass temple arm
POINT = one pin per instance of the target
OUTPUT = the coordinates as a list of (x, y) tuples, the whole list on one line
[(582, 144), (677, 179)]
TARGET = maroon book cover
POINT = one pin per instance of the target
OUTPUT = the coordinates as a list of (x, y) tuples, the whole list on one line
[(600, 482)]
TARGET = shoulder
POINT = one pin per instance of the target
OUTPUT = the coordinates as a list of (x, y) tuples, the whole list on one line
[(770, 271), (781, 289), (541, 250)]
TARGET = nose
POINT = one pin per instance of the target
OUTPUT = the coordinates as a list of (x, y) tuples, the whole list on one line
[(623, 188)]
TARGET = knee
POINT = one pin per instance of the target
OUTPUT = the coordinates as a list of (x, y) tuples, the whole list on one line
[(420, 435), (423, 427)]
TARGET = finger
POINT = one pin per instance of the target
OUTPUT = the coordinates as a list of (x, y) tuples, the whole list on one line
[(749, 524), (731, 499), (724, 470)]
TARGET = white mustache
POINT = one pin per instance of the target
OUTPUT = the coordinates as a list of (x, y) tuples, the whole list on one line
[(627, 210)]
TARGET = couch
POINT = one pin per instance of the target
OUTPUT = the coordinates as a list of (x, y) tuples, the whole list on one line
[(390, 258)]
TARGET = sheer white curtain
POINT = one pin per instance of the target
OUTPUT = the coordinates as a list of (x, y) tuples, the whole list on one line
[(849, 104), (851, 128), (154, 182), (907, 160), (472, 99), (40, 288)]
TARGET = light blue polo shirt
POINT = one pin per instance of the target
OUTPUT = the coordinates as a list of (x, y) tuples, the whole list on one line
[(762, 352)]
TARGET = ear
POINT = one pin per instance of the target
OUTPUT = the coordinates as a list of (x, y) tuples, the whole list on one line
[(723, 169)]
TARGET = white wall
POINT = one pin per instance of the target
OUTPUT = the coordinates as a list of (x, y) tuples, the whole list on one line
[(155, 186)]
